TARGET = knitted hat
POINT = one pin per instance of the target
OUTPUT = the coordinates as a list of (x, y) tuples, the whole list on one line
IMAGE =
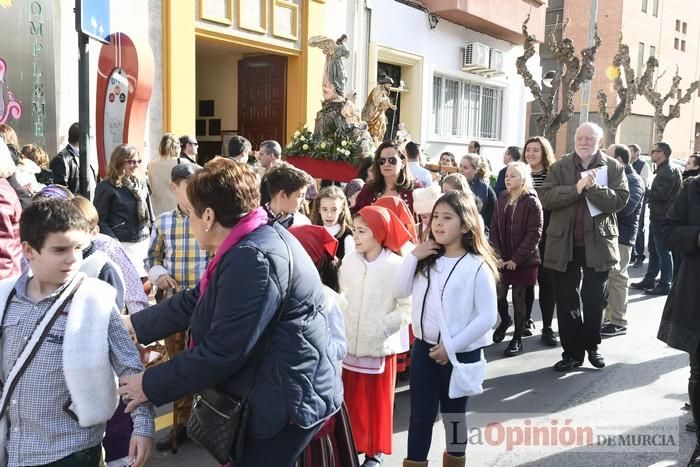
[(425, 198), (397, 206), (386, 227), (353, 187), (316, 240)]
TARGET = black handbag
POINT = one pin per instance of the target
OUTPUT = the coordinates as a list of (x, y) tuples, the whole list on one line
[(218, 421)]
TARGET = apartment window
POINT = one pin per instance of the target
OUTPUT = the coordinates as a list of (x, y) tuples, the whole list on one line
[(640, 58), (465, 109), (644, 6), (652, 51), (685, 28), (683, 45), (678, 25), (656, 8), (676, 43)]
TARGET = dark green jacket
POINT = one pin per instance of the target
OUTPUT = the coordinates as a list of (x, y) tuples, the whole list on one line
[(558, 194)]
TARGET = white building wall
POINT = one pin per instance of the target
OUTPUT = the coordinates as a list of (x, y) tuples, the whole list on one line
[(403, 28), (136, 18)]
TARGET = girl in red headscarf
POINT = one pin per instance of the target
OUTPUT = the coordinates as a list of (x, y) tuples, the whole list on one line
[(373, 321)]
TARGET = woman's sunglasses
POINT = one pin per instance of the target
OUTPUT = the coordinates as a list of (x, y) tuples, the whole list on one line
[(133, 161), (390, 160)]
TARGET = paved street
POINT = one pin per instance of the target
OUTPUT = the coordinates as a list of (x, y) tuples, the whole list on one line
[(641, 390)]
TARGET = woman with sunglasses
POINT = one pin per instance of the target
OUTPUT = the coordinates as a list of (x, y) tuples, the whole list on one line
[(123, 203), (391, 177)]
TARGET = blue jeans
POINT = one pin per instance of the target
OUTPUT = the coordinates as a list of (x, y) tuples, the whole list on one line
[(659, 257), (430, 384)]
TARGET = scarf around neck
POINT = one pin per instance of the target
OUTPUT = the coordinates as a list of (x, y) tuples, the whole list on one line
[(243, 227)]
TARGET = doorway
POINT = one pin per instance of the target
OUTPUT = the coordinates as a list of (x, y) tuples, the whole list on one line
[(262, 98)]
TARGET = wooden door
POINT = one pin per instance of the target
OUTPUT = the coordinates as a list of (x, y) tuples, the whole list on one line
[(262, 98)]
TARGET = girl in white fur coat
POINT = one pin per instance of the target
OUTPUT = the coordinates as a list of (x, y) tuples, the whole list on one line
[(373, 320)]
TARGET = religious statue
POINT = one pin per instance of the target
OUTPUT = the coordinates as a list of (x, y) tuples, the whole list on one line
[(334, 78), (377, 104), (352, 116), (402, 135)]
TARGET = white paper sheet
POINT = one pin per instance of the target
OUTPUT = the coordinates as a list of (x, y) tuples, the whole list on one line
[(601, 179)]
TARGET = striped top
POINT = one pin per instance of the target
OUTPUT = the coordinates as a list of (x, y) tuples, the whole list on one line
[(538, 179)]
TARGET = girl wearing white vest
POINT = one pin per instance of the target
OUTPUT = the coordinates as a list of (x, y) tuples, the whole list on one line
[(452, 280), (373, 321)]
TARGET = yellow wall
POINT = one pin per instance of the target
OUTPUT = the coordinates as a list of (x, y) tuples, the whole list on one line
[(304, 67), (178, 47), (217, 80)]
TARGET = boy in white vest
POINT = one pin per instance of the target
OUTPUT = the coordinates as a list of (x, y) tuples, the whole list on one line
[(63, 345)]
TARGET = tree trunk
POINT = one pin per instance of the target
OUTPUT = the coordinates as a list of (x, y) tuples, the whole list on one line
[(659, 129), (610, 134)]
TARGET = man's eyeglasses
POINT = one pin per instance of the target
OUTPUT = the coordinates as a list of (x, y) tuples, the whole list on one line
[(134, 161), (390, 160), (193, 143)]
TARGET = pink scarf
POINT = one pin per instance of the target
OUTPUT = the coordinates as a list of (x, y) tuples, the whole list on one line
[(243, 227)]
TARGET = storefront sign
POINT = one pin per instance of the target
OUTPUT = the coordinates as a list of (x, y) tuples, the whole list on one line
[(27, 93)]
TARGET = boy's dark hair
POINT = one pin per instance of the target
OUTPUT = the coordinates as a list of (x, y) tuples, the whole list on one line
[(286, 178), (621, 151), (514, 152), (237, 144), (49, 216)]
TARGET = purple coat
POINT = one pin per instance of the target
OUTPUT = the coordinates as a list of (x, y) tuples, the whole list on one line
[(525, 228)]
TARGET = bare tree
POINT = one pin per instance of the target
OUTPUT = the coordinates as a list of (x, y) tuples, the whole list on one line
[(627, 91), (647, 87), (570, 73)]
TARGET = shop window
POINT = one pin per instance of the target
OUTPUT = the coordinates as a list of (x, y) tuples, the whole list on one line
[(465, 109)]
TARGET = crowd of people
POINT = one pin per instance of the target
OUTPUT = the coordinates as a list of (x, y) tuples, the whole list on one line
[(306, 304)]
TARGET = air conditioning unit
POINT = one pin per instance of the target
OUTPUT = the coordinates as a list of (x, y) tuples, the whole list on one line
[(475, 57), (495, 59)]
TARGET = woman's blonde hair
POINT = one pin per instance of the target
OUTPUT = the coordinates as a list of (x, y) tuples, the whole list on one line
[(457, 181), (169, 146), (121, 154), (7, 133), (463, 203), (480, 164), (36, 154), (525, 173)]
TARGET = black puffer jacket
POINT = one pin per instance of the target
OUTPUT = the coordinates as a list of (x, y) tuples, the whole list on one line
[(299, 380)]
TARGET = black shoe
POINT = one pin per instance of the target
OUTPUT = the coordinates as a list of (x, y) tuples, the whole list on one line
[(691, 426), (165, 443), (567, 364), (548, 337), (529, 327), (500, 333), (514, 348), (596, 359), (658, 290), (610, 330), (643, 285), (686, 406), (637, 263)]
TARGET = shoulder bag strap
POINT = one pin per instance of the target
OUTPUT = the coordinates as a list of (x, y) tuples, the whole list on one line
[(32, 353), (264, 344)]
